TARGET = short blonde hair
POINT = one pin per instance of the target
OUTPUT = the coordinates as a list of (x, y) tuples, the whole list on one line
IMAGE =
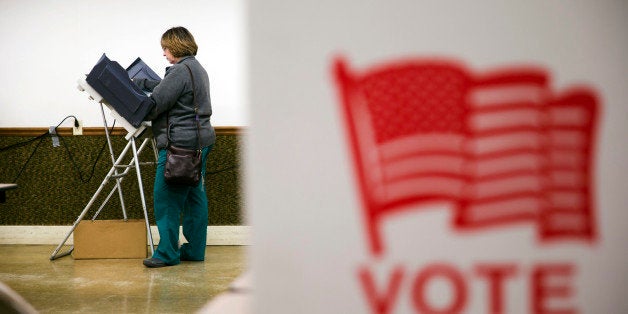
[(179, 41)]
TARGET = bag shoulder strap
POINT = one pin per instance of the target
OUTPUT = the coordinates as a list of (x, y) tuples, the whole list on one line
[(196, 118)]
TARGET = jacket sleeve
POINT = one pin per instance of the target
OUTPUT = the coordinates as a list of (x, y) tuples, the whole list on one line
[(146, 84), (167, 92)]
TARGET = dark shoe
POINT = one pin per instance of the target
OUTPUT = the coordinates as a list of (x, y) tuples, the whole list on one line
[(188, 259), (185, 259), (154, 263)]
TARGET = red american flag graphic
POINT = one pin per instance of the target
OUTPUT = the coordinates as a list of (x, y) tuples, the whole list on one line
[(500, 146)]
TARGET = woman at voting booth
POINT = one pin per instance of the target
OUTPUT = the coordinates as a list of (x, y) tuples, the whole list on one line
[(180, 118)]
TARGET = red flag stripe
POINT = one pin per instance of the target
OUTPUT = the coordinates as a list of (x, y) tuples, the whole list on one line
[(422, 165), (513, 141), (504, 186), (568, 139), (566, 159), (568, 116), (567, 179), (567, 224), (505, 164), (424, 187), (567, 199), (497, 95), (443, 143), (521, 207), (506, 119)]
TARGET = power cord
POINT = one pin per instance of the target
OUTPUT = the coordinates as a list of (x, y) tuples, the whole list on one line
[(41, 138), (222, 170), (80, 174), (47, 134), (71, 156)]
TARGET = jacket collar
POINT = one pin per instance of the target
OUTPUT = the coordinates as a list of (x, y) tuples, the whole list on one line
[(185, 58)]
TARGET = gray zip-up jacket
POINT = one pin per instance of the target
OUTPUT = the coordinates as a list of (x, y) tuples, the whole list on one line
[(173, 96)]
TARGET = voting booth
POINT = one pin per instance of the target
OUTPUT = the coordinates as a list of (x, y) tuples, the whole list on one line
[(112, 81), (110, 86)]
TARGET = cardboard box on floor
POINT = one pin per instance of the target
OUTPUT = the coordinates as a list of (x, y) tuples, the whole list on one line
[(110, 239)]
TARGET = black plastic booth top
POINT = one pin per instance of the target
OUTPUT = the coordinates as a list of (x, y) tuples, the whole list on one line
[(114, 84), (140, 70)]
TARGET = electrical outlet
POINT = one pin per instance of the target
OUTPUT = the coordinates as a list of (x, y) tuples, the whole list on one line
[(78, 130)]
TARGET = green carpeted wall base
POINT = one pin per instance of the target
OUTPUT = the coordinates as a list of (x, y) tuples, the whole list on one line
[(55, 183)]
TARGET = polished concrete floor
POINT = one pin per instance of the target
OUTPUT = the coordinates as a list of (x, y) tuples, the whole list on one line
[(66, 285)]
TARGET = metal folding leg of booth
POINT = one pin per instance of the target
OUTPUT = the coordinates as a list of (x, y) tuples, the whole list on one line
[(116, 174)]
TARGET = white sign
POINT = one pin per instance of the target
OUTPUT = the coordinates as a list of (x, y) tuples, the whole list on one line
[(438, 157)]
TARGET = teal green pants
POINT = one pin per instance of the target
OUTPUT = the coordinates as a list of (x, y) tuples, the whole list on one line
[(180, 205)]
